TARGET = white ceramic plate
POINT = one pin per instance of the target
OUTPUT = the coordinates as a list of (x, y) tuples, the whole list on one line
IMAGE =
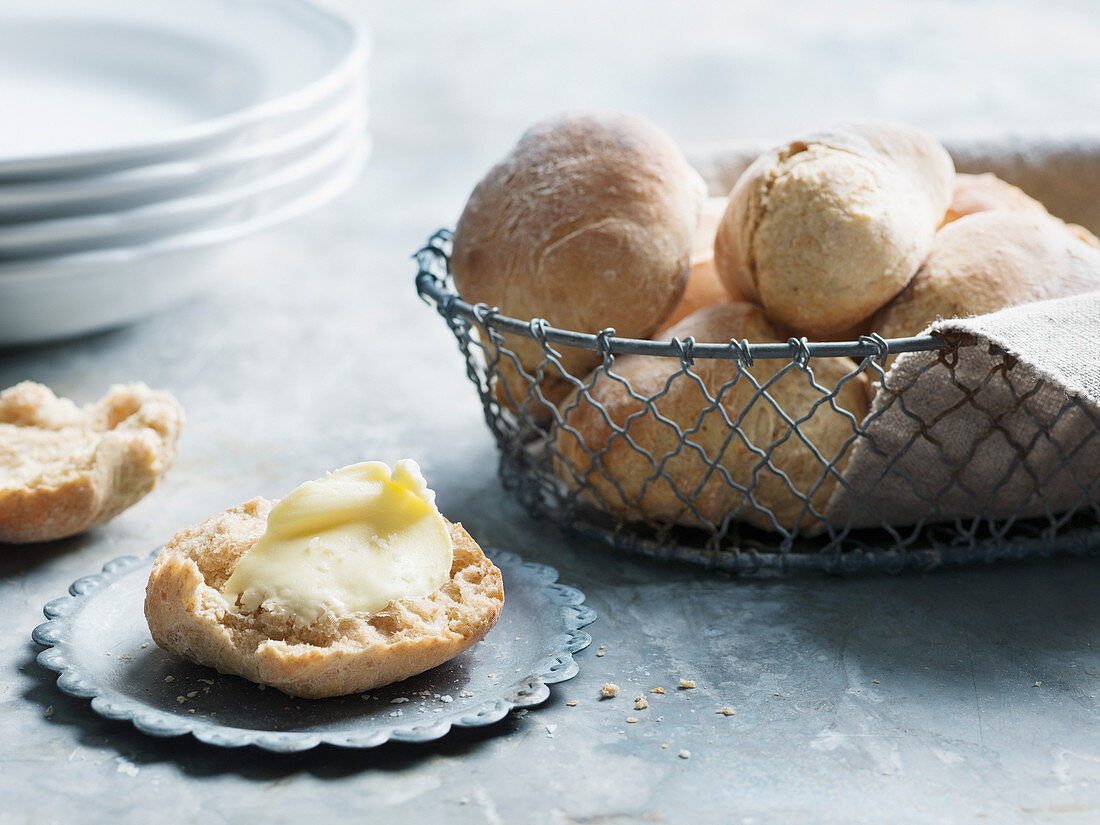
[(116, 83), (59, 297), (157, 220), (218, 170)]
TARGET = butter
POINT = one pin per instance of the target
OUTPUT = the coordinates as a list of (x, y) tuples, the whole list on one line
[(353, 541)]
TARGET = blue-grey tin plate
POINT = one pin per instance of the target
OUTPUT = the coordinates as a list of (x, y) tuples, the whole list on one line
[(98, 641)]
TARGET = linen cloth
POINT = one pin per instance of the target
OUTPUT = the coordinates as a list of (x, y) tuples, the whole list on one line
[(1005, 423)]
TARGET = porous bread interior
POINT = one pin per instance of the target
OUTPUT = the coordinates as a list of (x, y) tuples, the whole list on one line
[(43, 438), (65, 468), (30, 455), (464, 607)]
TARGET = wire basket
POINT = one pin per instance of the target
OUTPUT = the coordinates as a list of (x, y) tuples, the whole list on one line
[(1001, 465)]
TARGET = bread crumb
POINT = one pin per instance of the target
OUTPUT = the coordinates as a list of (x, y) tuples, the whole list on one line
[(630, 720), (572, 703), (169, 678), (145, 645), (492, 676), (190, 710), (686, 684), (463, 801), (399, 700), (685, 754), (727, 711), (664, 747), (608, 690), (875, 681), (48, 712), (192, 694), (657, 690), (205, 681), (599, 655), (446, 698), (467, 693), (603, 647), (1037, 684), (181, 698), (640, 703)]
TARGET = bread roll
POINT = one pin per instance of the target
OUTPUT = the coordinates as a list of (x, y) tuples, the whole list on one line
[(65, 469), (988, 261), (986, 192), (680, 399), (823, 231), (189, 616), (587, 223)]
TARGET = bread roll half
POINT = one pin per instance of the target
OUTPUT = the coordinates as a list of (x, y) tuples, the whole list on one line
[(606, 429), (337, 654), (65, 469), (587, 223)]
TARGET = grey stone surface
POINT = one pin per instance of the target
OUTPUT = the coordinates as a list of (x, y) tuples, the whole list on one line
[(959, 696)]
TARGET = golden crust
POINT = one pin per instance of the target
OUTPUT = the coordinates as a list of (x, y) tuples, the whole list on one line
[(988, 261), (623, 480), (65, 469), (587, 223), (336, 655), (986, 192)]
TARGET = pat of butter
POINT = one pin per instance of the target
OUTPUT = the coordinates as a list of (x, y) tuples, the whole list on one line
[(353, 541)]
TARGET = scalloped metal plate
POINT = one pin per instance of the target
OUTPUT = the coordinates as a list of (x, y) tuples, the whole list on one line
[(96, 638)]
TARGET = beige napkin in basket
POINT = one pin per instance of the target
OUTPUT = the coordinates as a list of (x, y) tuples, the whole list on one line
[(1001, 433)]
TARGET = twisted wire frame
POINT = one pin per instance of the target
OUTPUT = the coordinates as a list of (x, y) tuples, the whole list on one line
[(949, 514)]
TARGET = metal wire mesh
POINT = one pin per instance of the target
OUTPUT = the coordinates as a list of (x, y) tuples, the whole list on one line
[(754, 457)]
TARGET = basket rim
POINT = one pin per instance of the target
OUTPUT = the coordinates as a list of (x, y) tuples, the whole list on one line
[(431, 284)]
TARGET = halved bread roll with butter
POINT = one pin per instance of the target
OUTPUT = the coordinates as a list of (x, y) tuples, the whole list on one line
[(348, 583)]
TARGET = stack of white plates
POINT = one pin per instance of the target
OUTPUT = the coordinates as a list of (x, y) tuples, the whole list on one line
[(140, 140)]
